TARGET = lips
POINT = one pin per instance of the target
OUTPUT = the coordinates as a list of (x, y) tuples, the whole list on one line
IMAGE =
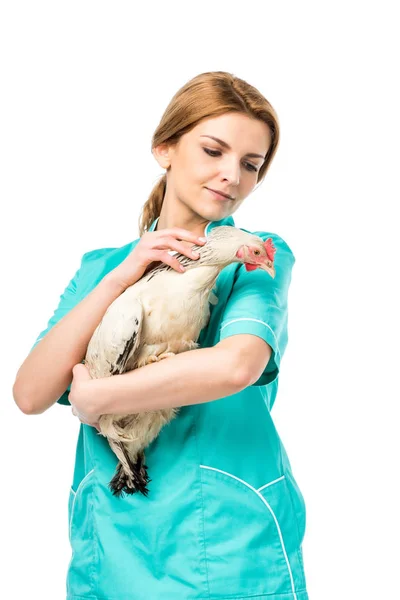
[(218, 194)]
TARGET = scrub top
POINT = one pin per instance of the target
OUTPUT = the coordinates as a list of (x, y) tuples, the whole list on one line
[(224, 518)]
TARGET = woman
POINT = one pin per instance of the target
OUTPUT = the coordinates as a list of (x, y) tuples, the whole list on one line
[(224, 517)]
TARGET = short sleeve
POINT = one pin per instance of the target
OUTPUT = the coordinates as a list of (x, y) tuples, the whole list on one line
[(258, 304), (66, 303)]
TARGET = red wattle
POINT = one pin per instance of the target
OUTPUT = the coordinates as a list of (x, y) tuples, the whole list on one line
[(250, 267)]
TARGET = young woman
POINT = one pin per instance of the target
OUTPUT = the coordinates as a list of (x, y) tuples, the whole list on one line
[(224, 517)]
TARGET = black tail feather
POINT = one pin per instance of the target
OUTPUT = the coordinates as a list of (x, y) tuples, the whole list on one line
[(135, 481)]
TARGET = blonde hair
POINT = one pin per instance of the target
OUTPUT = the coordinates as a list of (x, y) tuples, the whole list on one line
[(205, 96)]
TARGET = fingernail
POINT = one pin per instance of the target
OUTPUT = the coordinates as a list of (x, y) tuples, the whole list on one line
[(202, 239)]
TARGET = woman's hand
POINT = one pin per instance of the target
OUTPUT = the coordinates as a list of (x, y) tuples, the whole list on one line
[(80, 396), (153, 246)]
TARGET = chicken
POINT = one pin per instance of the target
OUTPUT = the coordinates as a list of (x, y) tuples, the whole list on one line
[(159, 316)]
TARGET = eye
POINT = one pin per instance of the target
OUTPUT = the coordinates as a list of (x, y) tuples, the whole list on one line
[(211, 152), (250, 166), (257, 252)]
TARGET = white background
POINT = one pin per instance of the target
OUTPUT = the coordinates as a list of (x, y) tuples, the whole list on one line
[(84, 85)]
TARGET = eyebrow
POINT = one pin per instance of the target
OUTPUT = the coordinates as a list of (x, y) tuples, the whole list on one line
[(227, 146)]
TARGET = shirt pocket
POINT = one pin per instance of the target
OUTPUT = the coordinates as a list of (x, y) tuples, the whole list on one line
[(81, 569), (252, 536)]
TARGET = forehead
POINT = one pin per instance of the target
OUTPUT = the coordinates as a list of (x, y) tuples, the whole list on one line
[(237, 129)]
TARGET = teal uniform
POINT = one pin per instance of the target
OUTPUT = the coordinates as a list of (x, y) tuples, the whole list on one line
[(224, 518)]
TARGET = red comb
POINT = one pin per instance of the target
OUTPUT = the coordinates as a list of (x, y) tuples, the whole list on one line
[(270, 249)]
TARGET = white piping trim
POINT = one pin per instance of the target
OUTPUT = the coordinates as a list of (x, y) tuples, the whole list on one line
[(257, 321), (271, 482), (272, 513)]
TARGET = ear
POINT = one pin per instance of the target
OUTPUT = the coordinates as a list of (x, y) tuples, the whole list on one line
[(163, 153)]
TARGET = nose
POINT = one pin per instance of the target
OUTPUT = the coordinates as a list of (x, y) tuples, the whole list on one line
[(231, 171)]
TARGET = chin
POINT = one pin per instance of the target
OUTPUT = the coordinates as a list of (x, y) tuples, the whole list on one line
[(216, 214)]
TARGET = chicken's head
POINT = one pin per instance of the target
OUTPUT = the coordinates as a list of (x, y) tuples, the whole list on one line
[(227, 244), (259, 255)]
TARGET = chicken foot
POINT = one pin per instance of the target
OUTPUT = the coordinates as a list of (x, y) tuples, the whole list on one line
[(154, 358)]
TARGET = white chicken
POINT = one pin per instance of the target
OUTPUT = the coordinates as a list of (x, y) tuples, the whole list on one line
[(159, 316)]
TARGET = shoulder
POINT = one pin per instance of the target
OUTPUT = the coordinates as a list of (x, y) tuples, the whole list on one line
[(97, 253), (108, 253), (96, 263)]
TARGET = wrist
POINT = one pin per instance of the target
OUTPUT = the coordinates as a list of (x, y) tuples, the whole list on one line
[(94, 398), (113, 282), (119, 281)]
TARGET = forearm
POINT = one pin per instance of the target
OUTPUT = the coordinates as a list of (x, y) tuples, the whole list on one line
[(192, 377), (47, 371)]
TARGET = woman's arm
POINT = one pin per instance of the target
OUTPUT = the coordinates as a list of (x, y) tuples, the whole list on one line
[(191, 377), (47, 371)]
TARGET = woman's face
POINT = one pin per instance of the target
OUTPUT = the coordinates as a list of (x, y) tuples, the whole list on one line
[(198, 163)]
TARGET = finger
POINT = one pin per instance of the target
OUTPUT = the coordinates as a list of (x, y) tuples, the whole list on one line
[(172, 262), (172, 244), (181, 234), (190, 252)]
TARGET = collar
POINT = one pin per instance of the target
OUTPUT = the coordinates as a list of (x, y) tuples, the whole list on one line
[(210, 225)]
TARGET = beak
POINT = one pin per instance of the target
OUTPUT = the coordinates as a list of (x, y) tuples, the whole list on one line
[(269, 268)]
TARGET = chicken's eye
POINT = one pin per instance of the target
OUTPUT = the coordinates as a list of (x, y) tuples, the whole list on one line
[(257, 252)]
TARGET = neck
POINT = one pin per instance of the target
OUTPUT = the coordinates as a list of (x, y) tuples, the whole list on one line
[(194, 226)]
